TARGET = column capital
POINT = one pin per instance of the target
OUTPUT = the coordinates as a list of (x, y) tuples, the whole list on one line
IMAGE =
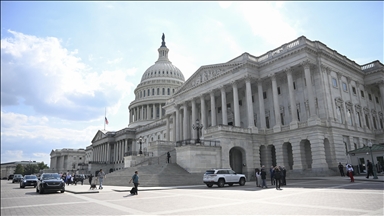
[(288, 70), (339, 75), (306, 64), (234, 83), (272, 76)]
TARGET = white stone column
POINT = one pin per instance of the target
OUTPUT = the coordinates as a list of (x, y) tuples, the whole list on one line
[(148, 113), (142, 113), (213, 109), (167, 132), (276, 106), (154, 111), (224, 105), (279, 154), (135, 114), (130, 116), (160, 110), (108, 153), (194, 135), (248, 90), (174, 127), (381, 86), (203, 112), (318, 153), (261, 103), (185, 128), (236, 104), (177, 123), (294, 121), (311, 96), (297, 154)]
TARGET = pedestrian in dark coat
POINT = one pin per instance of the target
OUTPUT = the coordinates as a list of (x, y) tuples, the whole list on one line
[(370, 169), (263, 178), (277, 176), (271, 170), (90, 179), (341, 169), (284, 172)]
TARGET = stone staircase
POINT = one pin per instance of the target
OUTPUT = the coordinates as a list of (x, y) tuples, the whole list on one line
[(155, 175)]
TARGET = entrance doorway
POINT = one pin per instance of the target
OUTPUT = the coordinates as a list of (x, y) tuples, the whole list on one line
[(236, 159)]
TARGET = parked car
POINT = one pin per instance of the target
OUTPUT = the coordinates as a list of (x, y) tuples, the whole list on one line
[(10, 177), (28, 180), (17, 178), (50, 182), (220, 177)]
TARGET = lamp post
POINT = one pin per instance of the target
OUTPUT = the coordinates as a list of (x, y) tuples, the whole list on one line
[(140, 141), (373, 163), (197, 127)]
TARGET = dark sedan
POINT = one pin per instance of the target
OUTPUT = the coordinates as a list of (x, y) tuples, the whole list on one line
[(50, 182), (28, 180), (17, 178)]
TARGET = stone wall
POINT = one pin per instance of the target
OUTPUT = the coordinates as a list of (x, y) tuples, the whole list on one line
[(197, 159)]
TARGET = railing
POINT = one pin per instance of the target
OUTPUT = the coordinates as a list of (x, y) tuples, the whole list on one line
[(99, 162), (135, 153), (202, 142), (153, 159)]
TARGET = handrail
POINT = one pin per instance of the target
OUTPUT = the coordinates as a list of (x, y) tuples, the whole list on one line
[(158, 157)]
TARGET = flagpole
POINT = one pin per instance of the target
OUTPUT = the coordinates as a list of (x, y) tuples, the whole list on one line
[(105, 115)]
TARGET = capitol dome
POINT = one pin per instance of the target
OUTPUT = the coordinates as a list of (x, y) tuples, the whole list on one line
[(158, 83), (163, 68)]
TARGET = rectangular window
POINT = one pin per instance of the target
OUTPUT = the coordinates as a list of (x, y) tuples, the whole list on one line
[(362, 93), (219, 110), (345, 86), (381, 123), (282, 118), (367, 121), (278, 90), (265, 95), (267, 121), (253, 100), (370, 97), (377, 99), (298, 115), (374, 122), (358, 118), (294, 85), (334, 82), (353, 90), (228, 105), (240, 103)]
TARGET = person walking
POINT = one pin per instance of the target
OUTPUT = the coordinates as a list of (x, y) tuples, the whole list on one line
[(350, 172), (277, 176), (90, 179), (258, 177), (69, 177), (341, 169), (168, 156), (135, 180), (370, 169), (101, 176), (263, 178)]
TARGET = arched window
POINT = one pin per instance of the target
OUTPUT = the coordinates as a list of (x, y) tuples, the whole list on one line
[(169, 92), (148, 92), (153, 91), (163, 91), (144, 93), (158, 91)]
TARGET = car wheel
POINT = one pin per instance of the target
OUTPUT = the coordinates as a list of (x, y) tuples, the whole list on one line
[(221, 183), (62, 191), (242, 182), (41, 190), (13, 181), (209, 185), (230, 184)]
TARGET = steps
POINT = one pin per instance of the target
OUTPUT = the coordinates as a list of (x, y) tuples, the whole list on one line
[(154, 175)]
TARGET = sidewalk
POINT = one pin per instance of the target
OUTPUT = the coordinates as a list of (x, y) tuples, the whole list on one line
[(81, 189)]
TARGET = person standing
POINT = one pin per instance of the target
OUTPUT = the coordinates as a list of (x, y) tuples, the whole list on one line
[(90, 179), (168, 156), (277, 176), (101, 176), (258, 177), (263, 178), (370, 169), (341, 169), (284, 172), (350, 172), (69, 177), (135, 180), (271, 170)]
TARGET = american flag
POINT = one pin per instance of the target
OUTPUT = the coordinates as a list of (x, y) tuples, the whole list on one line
[(106, 120)]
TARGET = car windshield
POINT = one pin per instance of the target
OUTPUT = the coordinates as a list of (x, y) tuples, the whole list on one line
[(51, 176), (30, 177)]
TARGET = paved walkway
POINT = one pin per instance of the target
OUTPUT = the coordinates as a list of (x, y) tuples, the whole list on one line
[(80, 189)]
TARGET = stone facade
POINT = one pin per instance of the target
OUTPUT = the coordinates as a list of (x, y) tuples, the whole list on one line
[(10, 167), (64, 160), (302, 106)]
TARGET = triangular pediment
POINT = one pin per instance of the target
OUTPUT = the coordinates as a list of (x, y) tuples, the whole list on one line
[(207, 73), (99, 135)]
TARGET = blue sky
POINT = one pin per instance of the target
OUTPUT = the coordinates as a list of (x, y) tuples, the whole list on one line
[(63, 63)]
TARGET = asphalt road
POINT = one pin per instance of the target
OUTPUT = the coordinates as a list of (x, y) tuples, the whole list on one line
[(334, 196)]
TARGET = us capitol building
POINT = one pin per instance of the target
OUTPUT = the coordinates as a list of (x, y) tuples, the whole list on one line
[(301, 105)]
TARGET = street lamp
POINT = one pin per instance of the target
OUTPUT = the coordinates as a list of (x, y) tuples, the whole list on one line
[(140, 141), (197, 127), (373, 163)]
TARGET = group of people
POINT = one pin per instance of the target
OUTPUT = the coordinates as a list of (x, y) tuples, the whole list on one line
[(277, 174), (68, 178), (351, 172)]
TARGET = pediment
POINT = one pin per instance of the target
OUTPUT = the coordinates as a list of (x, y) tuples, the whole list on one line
[(206, 73), (99, 135)]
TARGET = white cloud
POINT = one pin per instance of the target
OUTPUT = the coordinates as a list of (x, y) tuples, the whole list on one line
[(268, 21), (114, 61), (225, 4), (9, 156), (54, 81)]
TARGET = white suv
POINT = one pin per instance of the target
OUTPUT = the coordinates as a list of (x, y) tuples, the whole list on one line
[(223, 176)]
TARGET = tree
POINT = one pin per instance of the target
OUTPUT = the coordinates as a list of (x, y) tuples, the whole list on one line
[(30, 169), (19, 169), (42, 166)]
